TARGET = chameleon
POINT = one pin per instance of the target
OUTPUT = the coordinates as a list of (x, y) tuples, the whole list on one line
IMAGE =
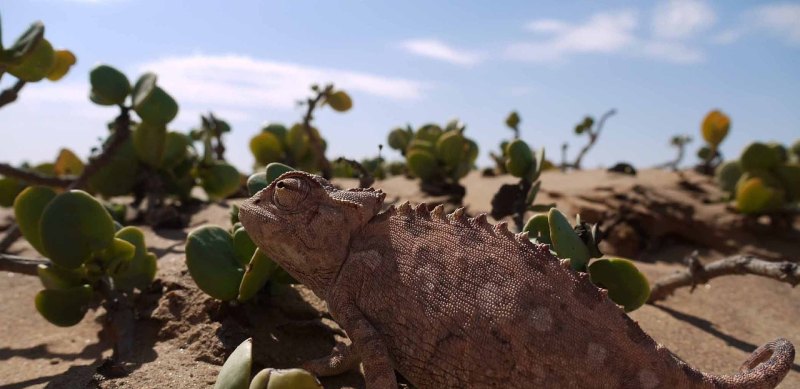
[(450, 301)]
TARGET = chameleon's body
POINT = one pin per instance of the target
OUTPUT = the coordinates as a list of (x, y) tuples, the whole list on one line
[(452, 302)]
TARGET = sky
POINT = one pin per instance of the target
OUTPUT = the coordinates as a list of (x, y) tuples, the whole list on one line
[(662, 65)]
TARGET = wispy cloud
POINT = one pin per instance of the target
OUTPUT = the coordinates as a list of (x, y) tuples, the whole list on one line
[(681, 19), (604, 32), (435, 49), (781, 19), (244, 82), (672, 51), (619, 33)]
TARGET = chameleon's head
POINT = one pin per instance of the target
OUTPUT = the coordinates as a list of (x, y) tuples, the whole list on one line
[(304, 223)]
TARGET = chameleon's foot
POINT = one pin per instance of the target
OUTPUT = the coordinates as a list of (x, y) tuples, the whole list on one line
[(343, 358)]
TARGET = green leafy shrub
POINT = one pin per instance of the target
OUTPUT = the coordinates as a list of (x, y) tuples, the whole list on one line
[(515, 199), (626, 285), (301, 144), (88, 253), (765, 179), (438, 156)]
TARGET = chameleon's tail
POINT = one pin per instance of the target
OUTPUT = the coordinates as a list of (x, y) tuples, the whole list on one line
[(765, 368)]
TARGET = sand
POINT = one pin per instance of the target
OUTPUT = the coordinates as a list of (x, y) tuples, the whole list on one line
[(656, 218)]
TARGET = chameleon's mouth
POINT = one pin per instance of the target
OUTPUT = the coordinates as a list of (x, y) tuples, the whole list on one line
[(253, 216)]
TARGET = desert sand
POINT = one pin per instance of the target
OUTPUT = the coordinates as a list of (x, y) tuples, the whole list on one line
[(655, 218)]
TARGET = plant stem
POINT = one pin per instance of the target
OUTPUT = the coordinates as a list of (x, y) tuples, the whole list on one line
[(10, 95), (121, 323), (698, 273), (365, 179), (20, 265), (316, 143), (122, 132), (593, 136), (32, 177)]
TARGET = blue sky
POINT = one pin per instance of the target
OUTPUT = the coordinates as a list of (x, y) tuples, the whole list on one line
[(663, 65)]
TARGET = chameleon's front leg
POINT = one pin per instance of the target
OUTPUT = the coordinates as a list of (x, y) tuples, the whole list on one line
[(378, 366), (343, 358)]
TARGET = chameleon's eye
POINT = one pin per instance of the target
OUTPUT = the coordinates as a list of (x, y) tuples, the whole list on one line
[(289, 193)]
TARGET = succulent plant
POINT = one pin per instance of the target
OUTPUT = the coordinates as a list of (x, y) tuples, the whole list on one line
[(714, 129), (85, 249), (765, 179), (235, 374), (626, 285), (226, 264), (32, 58), (516, 199), (438, 157)]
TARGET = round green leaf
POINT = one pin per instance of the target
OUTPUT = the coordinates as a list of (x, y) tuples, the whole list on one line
[(212, 262), (626, 285), (520, 158), (512, 121), (57, 277), (220, 180), (28, 209), (74, 226), (422, 164), (243, 246), (158, 108), (9, 189), (292, 379), (144, 87), (399, 138), (37, 64), (257, 274), (63, 60), (118, 177), (256, 182), (235, 373), (140, 270), (26, 43), (567, 243), (451, 148), (339, 101), (109, 85), (266, 148), (275, 170), (538, 228), (149, 141), (175, 149), (759, 156), (64, 307)]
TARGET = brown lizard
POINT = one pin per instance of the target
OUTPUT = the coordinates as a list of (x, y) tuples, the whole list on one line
[(454, 302)]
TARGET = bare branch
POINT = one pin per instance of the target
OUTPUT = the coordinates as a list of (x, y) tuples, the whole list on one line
[(593, 136), (10, 95), (316, 143), (365, 179), (32, 177), (122, 132), (698, 273), (21, 265)]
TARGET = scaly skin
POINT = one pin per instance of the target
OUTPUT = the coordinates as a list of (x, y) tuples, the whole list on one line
[(452, 302)]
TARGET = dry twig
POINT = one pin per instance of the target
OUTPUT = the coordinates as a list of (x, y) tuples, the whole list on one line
[(697, 273)]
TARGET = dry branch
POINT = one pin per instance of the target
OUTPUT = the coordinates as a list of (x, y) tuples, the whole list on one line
[(22, 265), (697, 273), (9, 95)]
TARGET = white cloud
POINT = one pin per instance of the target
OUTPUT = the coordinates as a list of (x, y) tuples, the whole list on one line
[(547, 26), (680, 19), (672, 51), (605, 32), (236, 81), (435, 49), (727, 36), (781, 19)]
